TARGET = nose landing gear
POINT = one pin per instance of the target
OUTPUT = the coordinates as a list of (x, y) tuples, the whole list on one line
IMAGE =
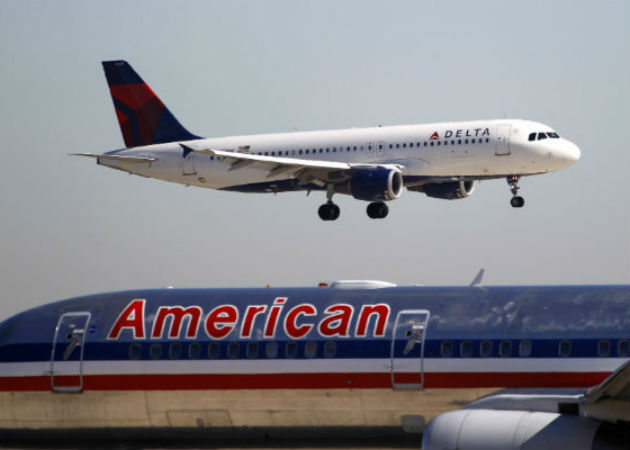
[(516, 201)]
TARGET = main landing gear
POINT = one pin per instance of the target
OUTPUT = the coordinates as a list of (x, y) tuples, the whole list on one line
[(516, 201), (377, 210), (329, 211)]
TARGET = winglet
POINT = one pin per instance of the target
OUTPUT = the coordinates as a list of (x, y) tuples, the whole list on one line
[(476, 282)]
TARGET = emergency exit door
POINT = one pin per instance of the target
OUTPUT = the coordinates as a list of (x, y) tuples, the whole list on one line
[(407, 348)]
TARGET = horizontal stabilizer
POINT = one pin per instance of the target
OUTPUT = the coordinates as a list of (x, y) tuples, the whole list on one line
[(130, 159)]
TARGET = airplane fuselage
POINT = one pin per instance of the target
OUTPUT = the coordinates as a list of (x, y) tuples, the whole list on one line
[(444, 151)]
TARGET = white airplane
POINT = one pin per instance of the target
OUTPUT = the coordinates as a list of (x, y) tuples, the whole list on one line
[(443, 160)]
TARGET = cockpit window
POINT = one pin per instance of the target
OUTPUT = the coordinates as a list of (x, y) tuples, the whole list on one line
[(553, 135), (542, 136), (532, 136)]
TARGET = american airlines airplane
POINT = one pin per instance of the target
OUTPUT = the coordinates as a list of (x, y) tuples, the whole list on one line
[(443, 160), (350, 360)]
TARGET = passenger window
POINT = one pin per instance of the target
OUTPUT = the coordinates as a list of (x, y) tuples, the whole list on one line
[(505, 349), (194, 350), (564, 349), (603, 348), (453, 142), (446, 349), (532, 137), (459, 142), (466, 349), (542, 136), (623, 348), (310, 349), (425, 144), (175, 350), (380, 146), (466, 141), (290, 350), (525, 348), (390, 145), (135, 351), (439, 142), (233, 350), (251, 351), (330, 349), (404, 145), (214, 350), (271, 349), (445, 142), (431, 143), (155, 351), (485, 349)]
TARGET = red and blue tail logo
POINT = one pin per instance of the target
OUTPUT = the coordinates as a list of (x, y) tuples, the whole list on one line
[(142, 116)]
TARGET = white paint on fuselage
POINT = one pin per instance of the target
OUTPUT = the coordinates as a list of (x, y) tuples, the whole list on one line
[(471, 150)]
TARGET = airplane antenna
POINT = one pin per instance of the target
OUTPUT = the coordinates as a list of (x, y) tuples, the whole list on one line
[(476, 282)]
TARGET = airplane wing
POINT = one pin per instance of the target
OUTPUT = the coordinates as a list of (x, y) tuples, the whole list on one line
[(610, 400), (307, 170), (105, 157)]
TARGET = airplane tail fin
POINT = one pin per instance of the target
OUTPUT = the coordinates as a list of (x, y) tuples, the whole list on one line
[(142, 116)]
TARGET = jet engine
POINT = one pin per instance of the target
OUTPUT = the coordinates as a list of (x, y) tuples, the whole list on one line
[(451, 190), (484, 428), (378, 184)]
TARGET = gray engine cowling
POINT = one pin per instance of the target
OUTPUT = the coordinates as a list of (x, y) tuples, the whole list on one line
[(507, 430), (380, 184), (451, 190)]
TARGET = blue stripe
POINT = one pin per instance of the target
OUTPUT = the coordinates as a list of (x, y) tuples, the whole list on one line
[(364, 349)]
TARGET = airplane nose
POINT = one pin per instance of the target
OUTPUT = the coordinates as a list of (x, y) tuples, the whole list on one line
[(568, 153)]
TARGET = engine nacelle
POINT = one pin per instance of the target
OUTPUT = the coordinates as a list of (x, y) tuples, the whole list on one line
[(490, 429), (451, 190), (376, 184)]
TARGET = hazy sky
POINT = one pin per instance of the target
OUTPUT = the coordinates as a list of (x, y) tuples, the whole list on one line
[(70, 227)]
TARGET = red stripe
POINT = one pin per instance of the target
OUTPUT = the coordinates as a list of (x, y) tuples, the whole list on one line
[(306, 381)]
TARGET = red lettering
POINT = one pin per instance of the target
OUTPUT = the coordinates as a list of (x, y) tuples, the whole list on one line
[(381, 311), (290, 326), (221, 321), (132, 317), (338, 323), (272, 317), (250, 315), (176, 314)]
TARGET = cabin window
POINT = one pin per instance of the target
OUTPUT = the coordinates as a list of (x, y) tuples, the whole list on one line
[(355, 148), (330, 349), (214, 350), (290, 351), (525, 348), (251, 351), (431, 143), (603, 348), (155, 351), (175, 350), (439, 142), (233, 349), (623, 348), (271, 349), (446, 349), (472, 141), (310, 349), (445, 142), (485, 349), (532, 137), (397, 145), (465, 141), (380, 146), (194, 350), (135, 351), (564, 349), (459, 142), (505, 349), (487, 140), (466, 349), (390, 145)]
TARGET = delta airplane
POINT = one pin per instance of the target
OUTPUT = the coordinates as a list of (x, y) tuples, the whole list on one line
[(443, 160), (356, 358)]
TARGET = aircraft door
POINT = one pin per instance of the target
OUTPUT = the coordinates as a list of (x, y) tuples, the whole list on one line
[(503, 140), (66, 365), (407, 349), (188, 164)]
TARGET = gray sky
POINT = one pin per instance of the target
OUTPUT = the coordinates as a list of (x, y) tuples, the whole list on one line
[(70, 227)]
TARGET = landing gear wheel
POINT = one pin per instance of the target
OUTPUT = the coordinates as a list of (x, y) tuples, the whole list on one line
[(377, 210), (329, 211), (517, 202)]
